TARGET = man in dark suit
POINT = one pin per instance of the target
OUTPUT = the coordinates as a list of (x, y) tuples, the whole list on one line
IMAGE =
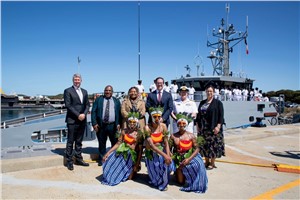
[(160, 97), (106, 119), (77, 104)]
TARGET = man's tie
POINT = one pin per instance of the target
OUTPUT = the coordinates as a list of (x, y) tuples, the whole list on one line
[(79, 92), (106, 114), (159, 96)]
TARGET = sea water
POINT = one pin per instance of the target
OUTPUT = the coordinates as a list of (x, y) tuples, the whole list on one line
[(13, 113)]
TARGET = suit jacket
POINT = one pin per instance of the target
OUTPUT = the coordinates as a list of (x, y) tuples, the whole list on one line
[(166, 102), (97, 111), (74, 105)]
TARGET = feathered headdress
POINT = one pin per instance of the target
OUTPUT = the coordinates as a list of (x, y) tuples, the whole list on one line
[(133, 115), (154, 110), (184, 116)]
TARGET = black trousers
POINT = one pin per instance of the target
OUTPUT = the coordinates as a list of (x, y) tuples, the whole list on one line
[(107, 130), (74, 141)]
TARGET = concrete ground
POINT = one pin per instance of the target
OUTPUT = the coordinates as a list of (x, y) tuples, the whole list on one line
[(246, 172)]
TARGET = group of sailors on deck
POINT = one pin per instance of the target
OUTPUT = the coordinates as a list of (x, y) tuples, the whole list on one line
[(237, 94)]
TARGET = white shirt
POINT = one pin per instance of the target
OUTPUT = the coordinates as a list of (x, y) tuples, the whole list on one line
[(166, 88), (173, 88), (152, 87), (266, 99), (140, 87), (191, 90), (187, 106)]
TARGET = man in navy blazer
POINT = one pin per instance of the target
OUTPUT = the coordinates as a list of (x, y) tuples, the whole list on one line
[(159, 97), (77, 104), (106, 127)]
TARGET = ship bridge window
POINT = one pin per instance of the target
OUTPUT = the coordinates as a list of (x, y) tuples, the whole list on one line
[(188, 84), (196, 84)]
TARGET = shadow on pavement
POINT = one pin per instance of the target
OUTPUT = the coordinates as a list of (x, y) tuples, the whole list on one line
[(287, 154)]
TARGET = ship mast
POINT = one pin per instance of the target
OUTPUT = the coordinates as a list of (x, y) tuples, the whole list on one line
[(224, 46)]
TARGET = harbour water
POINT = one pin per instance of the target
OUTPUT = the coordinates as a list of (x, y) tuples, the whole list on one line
[(13, 113)]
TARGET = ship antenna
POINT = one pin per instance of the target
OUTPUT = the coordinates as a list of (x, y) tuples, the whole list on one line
[(227, 14), (198, 62)]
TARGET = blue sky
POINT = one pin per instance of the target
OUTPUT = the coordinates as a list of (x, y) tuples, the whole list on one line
[(40, 43)]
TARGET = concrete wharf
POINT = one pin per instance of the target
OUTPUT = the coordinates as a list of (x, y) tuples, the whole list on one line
[(247, 172)]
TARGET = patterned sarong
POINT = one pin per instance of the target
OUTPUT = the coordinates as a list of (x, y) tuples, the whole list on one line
[(195, 176), (157, 171), (116, 169)]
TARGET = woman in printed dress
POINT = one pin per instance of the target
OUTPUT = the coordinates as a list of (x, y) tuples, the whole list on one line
[(121, 162), (157, 152), (190, 169), (210, 119)]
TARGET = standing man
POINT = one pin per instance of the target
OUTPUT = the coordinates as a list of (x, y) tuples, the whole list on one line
[(173, 89), (167, 87), (106, 119), (159, 97), (77, 104), (152, 87), (192, 92), (141, 89)]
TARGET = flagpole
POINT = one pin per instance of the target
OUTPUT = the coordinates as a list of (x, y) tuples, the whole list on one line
[(78, 60), (139, 48)]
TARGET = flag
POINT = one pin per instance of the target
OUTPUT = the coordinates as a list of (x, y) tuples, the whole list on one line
[(78, 59), (247, 50)]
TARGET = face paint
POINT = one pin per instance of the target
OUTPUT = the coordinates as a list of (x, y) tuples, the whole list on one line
[(156, 117), (182, 123), (132, 122)]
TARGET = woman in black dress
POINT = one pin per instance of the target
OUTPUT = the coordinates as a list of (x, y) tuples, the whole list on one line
[(209, 122)]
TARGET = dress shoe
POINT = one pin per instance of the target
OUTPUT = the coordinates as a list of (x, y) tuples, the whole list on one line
[(70, 166), (82, 163)]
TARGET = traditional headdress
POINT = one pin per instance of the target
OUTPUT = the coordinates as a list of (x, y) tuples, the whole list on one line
[(156, 110), (185, 117), (133, 116)]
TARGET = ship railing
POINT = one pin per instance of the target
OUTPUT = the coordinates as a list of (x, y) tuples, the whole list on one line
[(14, 122)]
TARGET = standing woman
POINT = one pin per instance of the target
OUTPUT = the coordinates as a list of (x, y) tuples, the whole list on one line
[(209, 121), (133, 104), (157, 151), (184, 105)]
